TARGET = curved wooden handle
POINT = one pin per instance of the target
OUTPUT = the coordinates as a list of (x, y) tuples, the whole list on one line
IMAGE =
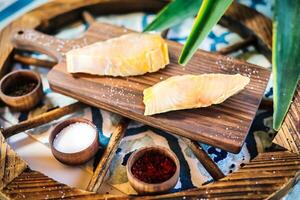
[(29, 39)]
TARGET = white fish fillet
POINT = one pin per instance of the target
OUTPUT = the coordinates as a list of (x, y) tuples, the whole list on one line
[(191, 91), (128, 55)]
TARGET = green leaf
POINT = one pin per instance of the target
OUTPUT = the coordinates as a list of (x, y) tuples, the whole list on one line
[(174, 13), (286, 56), (209, 14)]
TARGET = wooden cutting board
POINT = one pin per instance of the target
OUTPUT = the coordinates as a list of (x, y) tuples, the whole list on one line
[(225, 125)]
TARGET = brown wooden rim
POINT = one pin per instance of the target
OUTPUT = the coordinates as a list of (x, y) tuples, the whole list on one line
[(141, 151), (36, 75), (85, 154)]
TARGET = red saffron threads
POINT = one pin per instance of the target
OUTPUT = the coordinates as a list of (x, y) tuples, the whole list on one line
[(153, 167)]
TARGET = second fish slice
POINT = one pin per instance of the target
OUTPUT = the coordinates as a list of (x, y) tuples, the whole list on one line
[(191, 91)]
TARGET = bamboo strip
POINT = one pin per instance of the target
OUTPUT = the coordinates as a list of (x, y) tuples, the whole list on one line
[(41, 119), (33, 61), (210, 166), (109, 153)]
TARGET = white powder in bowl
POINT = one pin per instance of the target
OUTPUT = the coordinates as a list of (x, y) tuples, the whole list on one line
[(74, 138)]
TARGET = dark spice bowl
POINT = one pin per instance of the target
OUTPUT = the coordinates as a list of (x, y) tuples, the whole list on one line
[(21, 89), (151, 188), (76, 158)]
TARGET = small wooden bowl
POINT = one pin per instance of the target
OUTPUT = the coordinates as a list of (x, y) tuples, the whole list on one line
[(24, 102), (147, 188), (79, 157)]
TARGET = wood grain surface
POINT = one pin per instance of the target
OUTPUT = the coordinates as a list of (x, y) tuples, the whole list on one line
[(289, 134), (11, 165), (224, 126)]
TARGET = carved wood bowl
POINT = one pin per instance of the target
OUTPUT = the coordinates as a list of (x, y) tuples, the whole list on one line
[(268, 176), (147, 188), (79, 157), (24, 102)]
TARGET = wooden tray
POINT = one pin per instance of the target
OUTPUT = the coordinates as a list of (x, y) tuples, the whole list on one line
[(268, 176), (224, 126)]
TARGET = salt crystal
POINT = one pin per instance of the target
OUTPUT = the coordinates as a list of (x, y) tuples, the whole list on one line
[(74, 138)]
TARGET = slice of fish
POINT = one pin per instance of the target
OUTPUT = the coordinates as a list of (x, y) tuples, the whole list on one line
[(191, 91), (128, 55)]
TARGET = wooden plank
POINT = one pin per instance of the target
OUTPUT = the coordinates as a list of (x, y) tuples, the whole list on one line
[(231, 120)]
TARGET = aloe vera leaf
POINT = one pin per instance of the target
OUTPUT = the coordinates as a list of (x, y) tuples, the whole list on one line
[(173, 14), (286, 56), (209, 14)]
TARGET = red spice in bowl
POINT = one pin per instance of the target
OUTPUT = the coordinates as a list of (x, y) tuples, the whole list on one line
[(153, 167)]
